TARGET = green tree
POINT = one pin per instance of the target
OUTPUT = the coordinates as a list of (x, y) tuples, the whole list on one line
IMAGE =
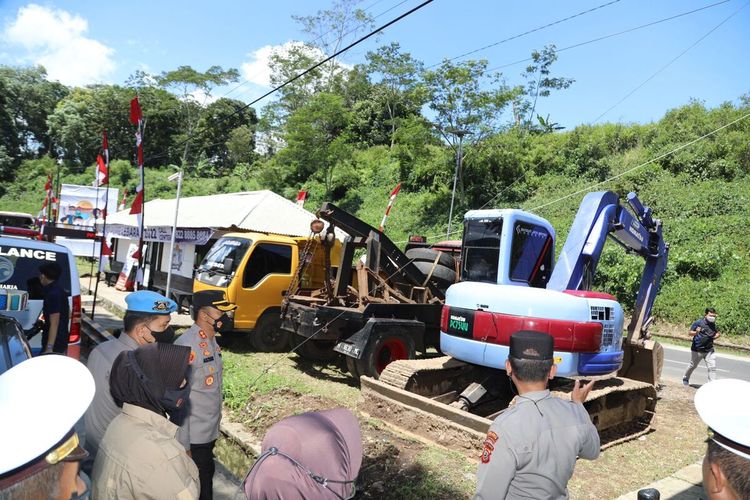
[(316, 141), (539, 83), (217, 122), (28, 98), (397, 86), (79, 119), (241, 145), (194, 88), (329, 28)]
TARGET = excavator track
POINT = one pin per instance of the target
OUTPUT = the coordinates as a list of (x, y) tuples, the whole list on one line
[(416, 395)]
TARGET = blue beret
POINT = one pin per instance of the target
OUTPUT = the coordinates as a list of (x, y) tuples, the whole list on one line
[(150, 302)]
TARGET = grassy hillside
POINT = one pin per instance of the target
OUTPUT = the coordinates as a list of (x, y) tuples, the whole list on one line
[(701, 193)]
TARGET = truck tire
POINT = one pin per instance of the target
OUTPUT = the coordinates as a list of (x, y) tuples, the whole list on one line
[(429, 255), (314, 350), (441, 274), (351, 365), (268, 336), (381, 350)]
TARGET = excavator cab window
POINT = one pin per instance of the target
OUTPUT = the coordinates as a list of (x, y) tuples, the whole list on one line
[(481, 250), (531, 254)]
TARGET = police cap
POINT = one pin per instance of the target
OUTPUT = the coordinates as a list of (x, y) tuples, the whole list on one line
[(724, 405), (212, 298), (150, 302), (531, 345), (41, 399)]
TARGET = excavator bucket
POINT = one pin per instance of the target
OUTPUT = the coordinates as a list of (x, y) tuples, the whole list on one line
[(643, 362)]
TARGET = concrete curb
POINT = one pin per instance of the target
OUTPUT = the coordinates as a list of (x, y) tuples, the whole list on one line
[(685, 484), (718, 342), (242, 438)]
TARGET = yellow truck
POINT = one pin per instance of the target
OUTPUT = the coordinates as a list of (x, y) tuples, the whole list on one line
[(256, 270)]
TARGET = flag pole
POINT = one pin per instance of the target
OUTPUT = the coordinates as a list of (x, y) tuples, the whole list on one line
[(93, 243), (137, 208), (103, 242)]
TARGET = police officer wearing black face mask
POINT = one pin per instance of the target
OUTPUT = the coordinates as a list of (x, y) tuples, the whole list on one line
[(146, 320), (199, 431)]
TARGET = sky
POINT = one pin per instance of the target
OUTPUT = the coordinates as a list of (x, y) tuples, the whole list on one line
[(633, 77)]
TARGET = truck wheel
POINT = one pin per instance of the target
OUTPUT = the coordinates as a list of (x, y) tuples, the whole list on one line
[(268, 335), (351, 365), (383, 349), (314, 350), (442, 276), (429, 255)]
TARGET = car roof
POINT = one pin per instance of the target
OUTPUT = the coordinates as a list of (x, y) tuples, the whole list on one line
[(35, 244), (16, 214)]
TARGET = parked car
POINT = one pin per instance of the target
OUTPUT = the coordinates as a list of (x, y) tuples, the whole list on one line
[(20, 259), (17, 219)]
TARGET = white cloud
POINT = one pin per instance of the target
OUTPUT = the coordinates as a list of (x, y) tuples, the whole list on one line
[(258, 70), (56, 40)]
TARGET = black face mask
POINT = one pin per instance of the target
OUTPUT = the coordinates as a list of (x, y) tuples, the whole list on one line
[(223, 324), (174, 399), (165, 336)]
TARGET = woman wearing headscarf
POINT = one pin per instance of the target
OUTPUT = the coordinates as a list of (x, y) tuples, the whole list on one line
[(315, 455), (139, 456)]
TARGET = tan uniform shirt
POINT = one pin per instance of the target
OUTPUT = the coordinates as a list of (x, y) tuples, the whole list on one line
[(206, 371), (140, 458), (531, 448), (103, 408)]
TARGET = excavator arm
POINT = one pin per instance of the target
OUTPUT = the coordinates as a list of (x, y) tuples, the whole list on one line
[(600, 216)]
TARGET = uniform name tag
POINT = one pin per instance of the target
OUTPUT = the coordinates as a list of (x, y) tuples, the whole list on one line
[(206, 360)]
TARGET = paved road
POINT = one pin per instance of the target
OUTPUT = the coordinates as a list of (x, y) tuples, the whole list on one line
[(677, 359)]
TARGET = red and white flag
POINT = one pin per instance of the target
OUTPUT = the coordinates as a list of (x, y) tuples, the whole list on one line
[(136, 115), (301, 197), (390, 204), (124, 200), (102, 172), (47, 197)]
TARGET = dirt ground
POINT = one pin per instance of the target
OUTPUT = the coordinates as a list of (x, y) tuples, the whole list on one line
[(398, 465)]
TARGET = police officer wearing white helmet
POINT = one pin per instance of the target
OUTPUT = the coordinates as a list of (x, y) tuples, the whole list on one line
[(41, 399), (200, 430), (146, 320), (724, 405)]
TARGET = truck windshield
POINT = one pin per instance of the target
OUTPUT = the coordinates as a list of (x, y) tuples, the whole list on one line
[(481, 250), (225, 248)]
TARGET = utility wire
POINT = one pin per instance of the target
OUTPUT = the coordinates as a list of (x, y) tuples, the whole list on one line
[(514, 37), (245, 82), (652, 160), (300, 75), (605, 37), (670, 62)]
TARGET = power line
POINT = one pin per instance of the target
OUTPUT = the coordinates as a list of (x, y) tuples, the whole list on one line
[(245, 82), (605, 37), (699, 40), (514, 37), (300, 75), (652, 160)]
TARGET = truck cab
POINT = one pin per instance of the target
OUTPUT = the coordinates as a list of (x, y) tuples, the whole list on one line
[(256, 271)]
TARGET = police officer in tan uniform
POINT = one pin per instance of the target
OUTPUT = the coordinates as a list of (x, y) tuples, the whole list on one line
[(200, 429), (531, 448)]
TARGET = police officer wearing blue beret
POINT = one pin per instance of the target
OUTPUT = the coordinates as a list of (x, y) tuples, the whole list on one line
[(531, 448), (198, 433), (146, 320)]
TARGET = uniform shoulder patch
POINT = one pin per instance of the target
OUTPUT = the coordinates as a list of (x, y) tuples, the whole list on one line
[(489, 446)]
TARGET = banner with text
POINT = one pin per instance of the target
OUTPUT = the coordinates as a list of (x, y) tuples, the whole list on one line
[(163, 234)]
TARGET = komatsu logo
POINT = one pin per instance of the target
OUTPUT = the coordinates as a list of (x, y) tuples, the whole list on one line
[(633, 229), (534, 233), (458, 323)]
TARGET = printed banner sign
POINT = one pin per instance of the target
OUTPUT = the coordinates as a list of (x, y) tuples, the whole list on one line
[(82, 205), (197, 236)]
